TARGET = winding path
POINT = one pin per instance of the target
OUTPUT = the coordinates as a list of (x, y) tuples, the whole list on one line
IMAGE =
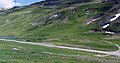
[(114, 53)]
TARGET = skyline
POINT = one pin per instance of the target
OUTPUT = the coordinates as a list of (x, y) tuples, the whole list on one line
[(6, 4), (25, 2)]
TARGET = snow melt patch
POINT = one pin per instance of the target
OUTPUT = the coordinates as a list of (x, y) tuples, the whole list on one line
[(16, 49), (116, 16), (105, 26), (109, 32)]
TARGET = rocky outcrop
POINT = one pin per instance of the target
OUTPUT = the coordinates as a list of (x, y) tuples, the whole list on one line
[(109, 21)]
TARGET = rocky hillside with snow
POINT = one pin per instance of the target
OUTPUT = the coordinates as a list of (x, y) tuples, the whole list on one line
[(109, 22)]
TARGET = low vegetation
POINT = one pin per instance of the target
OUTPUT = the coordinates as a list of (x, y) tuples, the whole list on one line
[(62, 25)]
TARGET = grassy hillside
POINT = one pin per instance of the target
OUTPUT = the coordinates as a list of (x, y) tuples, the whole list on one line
[(61, 25), (35, 23), (32, 18)]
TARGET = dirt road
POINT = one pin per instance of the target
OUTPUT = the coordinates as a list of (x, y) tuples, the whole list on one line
[(114, 53)]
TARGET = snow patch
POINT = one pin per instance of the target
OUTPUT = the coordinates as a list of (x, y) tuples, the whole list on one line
[(116, 16), (105, 26), (16, 49), (109, 32)]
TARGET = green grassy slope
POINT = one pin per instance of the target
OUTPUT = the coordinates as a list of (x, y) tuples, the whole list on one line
[(38, 24), (21, 20), (34, 23)]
